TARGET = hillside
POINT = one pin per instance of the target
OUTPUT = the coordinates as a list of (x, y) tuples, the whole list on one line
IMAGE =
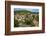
[(24, 12)]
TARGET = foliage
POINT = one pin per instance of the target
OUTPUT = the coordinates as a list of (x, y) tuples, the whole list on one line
[(29, 22), (16, 23), (22, 11)]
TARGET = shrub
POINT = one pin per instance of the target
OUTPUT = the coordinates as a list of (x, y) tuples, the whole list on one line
[(29, 22), (16, 23)]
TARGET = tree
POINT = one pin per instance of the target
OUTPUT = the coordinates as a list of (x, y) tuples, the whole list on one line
[(29, 22), (16, 23)]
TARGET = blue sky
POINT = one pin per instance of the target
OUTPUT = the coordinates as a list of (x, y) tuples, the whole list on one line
[(29, 9)]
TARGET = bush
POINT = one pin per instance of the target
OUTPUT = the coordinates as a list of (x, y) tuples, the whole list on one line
[(29, 22), (16, 23)]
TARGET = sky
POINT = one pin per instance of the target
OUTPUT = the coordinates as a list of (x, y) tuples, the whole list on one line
[(29, 9)]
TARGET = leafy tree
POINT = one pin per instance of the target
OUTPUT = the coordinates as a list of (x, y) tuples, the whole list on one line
[(16, 23), (29, 22)]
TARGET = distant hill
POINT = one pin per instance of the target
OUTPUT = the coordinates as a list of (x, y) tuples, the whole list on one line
[(24, 12)]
